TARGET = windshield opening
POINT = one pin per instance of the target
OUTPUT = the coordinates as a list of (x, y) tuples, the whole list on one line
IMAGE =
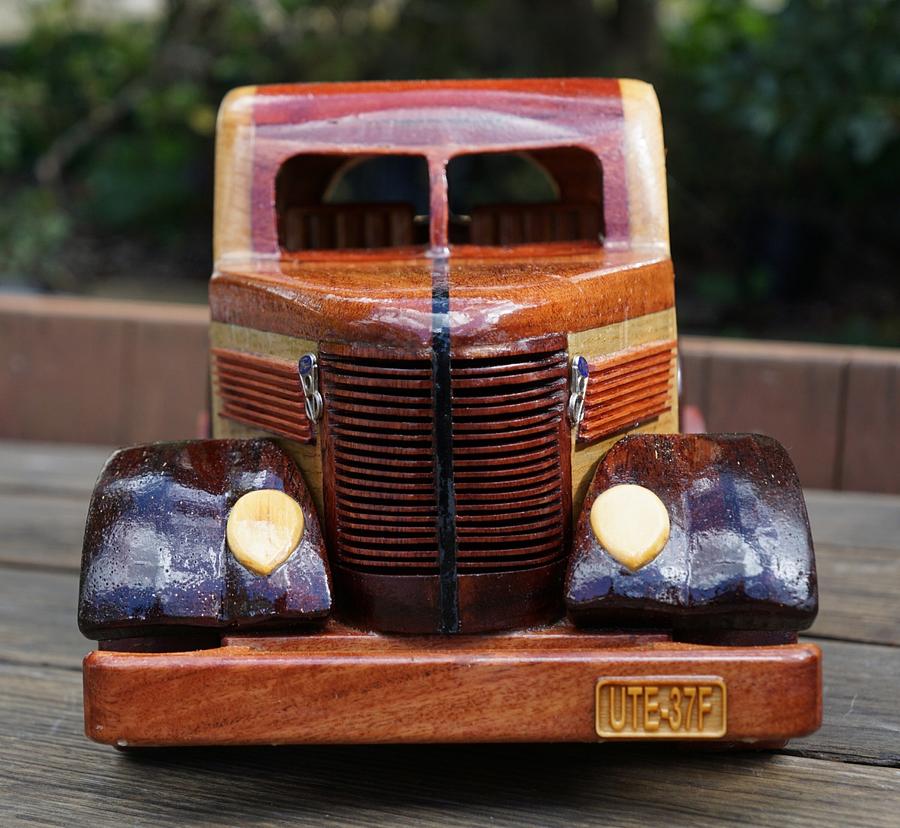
[(352, 202), (535, 197)]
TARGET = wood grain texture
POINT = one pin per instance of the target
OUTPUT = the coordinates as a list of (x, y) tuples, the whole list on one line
[(858, 591), (43, 518), (262, 393), (627, 388), (797, 401), (234, 173), (645, 172), (859, 723), (739, 555), (529, 693), (287, 349), (156, 560), (487, 115), (172, 416), (37, 468), (870, 460), (101, 371), (509, 446), (596, 344), (860, 718), (30, 344), (62, 777), (499, 296), (864, 380), (42, 531), (855, 520)]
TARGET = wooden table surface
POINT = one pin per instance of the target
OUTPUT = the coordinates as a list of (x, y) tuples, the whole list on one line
[(50, 774)]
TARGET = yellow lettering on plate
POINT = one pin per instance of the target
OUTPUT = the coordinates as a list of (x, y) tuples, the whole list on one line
[(661, 707)]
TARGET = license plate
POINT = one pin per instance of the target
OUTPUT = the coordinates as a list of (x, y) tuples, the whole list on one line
[(672, 707)]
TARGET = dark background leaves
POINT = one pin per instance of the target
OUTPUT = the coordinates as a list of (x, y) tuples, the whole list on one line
[(782, 122)]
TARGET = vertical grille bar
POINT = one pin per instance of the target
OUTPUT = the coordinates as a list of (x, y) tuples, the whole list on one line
[(441, 373)]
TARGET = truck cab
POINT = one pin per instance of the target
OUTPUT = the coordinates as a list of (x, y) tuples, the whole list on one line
[(447, 328)]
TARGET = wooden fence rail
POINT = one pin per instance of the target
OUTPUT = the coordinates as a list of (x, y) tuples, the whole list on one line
[(109, 372)]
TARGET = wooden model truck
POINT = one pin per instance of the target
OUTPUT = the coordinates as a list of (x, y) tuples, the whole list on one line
[(447, 499)]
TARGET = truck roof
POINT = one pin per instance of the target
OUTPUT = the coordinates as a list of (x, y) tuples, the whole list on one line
[(261, 128)]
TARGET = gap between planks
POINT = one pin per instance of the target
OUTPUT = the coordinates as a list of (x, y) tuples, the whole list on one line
[(862, 730), (52, 772)]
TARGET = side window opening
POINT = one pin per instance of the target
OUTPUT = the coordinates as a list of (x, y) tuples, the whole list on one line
[(508, 198), (350, 202)]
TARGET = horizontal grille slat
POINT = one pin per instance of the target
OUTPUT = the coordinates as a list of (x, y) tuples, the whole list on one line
[(507, 413), (411, 516), (375, 462), (627, 389), (510, 483), (487, 426), (382, 412), (507, 410), (379, 415), (262, 393), (632, 389), (251, 385)]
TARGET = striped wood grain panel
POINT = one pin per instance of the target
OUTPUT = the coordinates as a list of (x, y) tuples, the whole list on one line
[(535, 223), (508, 418), (261, 392), (508, 458), (626, 389), (380, 460)]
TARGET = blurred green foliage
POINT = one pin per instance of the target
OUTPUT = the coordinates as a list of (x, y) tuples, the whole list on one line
[(782, 124)]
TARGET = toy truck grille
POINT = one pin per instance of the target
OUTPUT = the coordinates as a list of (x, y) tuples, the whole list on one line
[(507, 458)]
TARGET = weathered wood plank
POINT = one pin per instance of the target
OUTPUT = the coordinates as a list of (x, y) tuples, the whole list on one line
[(61, 376), (100, 370), (791, 393), (50, 468), (51, 774), (43, 531), (38, 619), (855, 520), (858, 591), (861, 721), (871, 452)]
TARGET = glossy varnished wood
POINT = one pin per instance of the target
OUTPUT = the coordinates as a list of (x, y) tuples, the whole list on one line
[(500, 296), (261, 392), (382, 689), (155, 555), (510, 448), (627, 388), (739, 555), (501, 293), (430, 529)]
